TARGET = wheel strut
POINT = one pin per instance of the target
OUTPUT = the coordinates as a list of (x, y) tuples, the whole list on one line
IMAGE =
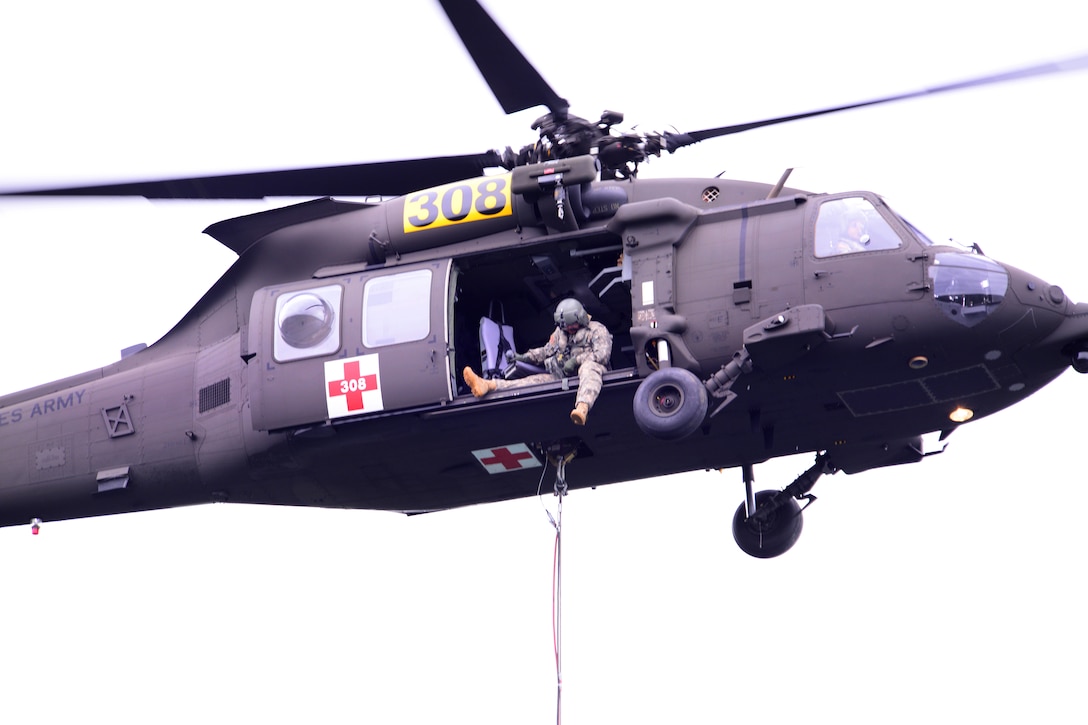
[(768, 523), (749, 492), (801, 486), (799, 489)]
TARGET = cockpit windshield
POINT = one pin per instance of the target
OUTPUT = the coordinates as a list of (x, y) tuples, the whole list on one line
[(967, 287), (919, 235), (852, 224)]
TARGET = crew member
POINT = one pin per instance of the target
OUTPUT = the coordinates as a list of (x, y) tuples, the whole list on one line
[(853, 237), (578, 347)]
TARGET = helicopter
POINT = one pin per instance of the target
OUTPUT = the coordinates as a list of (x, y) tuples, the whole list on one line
[(788, 338)]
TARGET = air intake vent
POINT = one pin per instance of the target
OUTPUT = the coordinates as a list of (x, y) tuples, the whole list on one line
[(215, 395)]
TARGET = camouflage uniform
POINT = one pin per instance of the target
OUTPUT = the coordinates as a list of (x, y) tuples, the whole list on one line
[(590, 346)]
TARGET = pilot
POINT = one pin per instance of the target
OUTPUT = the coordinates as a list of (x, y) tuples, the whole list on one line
[(578, 347), (853, 237)]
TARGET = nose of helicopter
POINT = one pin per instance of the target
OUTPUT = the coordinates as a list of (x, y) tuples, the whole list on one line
[(1060, 325), (1071, 337)]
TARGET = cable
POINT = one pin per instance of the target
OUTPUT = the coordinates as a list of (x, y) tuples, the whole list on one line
[(557, 612), (540, 488), (557, 575)]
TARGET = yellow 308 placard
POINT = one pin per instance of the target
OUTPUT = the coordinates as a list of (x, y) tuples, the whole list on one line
[(463, 201)]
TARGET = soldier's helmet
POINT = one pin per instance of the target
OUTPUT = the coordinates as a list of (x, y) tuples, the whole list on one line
[(570, 312)]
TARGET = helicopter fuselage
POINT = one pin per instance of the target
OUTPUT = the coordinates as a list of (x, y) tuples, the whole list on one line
[(324, 368)]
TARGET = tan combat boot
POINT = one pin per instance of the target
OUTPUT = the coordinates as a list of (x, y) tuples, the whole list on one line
[(479, 386), (579, 414)]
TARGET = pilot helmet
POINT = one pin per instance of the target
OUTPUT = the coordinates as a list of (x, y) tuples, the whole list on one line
[(854, 217), (570, 312)]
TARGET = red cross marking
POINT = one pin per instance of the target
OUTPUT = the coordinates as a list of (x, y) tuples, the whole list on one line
[(353, 385), (509, 460)]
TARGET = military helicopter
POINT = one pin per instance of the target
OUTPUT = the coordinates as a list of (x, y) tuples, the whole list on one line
[(738, 319)]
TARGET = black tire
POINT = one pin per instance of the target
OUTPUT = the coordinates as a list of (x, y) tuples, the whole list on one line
[(671, 403), (774, 537)]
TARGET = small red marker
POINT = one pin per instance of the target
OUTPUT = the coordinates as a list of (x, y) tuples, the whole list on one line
[(35, 526)]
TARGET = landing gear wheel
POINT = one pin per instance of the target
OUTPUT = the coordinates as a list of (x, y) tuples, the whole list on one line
[(671, 403), (773, 536)]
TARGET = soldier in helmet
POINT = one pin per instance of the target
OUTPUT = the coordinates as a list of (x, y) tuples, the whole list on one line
[(852, 237), (578, 347)]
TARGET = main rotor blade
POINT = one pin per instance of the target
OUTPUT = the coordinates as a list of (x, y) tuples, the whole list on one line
[(385, 178), (515, 82), (679, 140)]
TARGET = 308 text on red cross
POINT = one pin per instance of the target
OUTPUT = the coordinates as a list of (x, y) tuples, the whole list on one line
[(353, 385)]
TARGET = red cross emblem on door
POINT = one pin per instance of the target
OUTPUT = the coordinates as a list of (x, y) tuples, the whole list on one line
[(351, 386)]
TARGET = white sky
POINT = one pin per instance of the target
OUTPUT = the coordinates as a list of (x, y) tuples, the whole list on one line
[(939, 592)]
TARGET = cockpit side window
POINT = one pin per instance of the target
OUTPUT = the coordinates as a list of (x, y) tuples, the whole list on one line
[(847, 226)]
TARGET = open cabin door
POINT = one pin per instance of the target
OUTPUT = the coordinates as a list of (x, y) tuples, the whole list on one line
[(352, 345)]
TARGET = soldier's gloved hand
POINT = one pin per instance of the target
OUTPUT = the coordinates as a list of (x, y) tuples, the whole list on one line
[(519, 357), (570, 367)]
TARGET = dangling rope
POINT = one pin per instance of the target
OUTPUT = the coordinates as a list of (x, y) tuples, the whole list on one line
[(557, 579), (557, 612)]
